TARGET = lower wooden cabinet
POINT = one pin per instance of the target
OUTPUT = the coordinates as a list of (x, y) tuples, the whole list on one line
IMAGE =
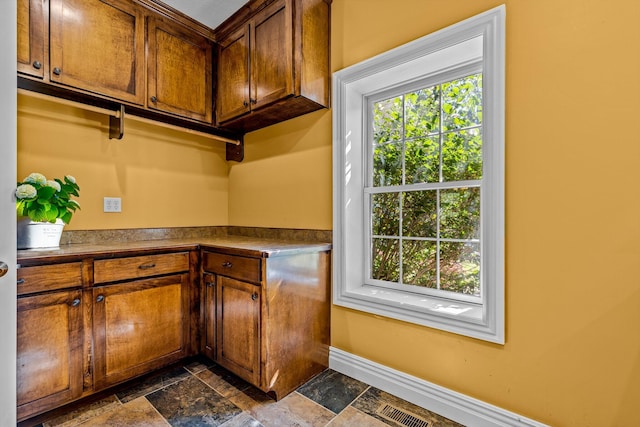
[(271, 316), (238, 327), (139, 326), (49, 368), (87, 323)]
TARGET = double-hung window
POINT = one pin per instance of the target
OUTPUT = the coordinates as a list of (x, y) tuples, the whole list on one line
[(423, 186), (419, 181)]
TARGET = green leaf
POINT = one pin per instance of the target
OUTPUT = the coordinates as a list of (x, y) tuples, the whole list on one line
[(66, 217), (45, 192), (38, 215), (52, 214)]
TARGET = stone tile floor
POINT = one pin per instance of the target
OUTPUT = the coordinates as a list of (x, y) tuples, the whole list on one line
[(201, 393)]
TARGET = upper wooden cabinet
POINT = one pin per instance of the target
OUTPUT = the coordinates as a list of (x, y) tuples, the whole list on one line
[(233, 96), (179, 70), (132, 52), (98, 46), (274, 65), (31, 32)]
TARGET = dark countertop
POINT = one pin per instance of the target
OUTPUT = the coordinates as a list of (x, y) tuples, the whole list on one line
[(238, 245)]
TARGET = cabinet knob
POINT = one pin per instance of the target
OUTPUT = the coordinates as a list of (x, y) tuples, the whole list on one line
[(37, 65), (210, 284), (253, 101), (100, 298), (254, 296), (75, 302), (154, 99), (4, 268), (57, 71), (19, 281), (245, 103), (227, 264)]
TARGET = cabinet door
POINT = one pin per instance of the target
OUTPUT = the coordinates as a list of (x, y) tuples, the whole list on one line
[(233, 99), (238, 327), (98, 46), (31, 31), (179, 71), (272, 54), (49, 368), (139, 326), (209, 308)]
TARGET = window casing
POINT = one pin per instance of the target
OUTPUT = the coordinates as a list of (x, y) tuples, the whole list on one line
[(369, 203)]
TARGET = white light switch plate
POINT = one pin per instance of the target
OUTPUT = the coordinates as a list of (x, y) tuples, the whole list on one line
[(112, 204)]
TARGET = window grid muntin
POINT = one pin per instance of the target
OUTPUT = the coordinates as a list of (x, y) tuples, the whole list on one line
[(370, 189)]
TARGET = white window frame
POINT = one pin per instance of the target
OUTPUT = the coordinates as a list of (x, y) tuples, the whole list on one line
[(433, 54)]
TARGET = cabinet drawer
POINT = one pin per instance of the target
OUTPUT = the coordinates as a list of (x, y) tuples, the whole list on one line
[(49, 277), (238, 267), (113, 270)]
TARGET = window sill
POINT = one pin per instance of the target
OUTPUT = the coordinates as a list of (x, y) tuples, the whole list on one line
[(439, 313)]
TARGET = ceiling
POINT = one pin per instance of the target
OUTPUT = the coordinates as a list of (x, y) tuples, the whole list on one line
[(208, 12)]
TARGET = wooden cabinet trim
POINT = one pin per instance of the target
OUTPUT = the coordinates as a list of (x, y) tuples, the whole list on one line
[(208, 315)]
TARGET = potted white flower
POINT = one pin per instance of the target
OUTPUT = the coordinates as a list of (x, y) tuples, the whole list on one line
[(44, 207)]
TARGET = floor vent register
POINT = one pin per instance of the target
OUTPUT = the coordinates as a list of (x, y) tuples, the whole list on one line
[(401, 417)]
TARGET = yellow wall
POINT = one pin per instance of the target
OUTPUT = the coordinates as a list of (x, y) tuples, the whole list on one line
[(572, 352), (165, 178), (285, 178)]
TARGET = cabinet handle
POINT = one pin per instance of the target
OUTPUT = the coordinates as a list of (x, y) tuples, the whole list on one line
[(100, 298), (37, 65), (253, 101), (75, 302), (210, 284), (57, 71), (245, 104), (146, 266), (254, 296), (20, 281), (227, 264), (154, 99)]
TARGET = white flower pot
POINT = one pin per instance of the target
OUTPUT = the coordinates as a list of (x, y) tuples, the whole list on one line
[(36, 235)]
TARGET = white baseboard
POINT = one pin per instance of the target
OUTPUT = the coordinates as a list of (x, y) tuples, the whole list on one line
[(448, 403)]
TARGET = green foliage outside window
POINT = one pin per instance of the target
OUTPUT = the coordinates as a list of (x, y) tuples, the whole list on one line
[(428, 236)]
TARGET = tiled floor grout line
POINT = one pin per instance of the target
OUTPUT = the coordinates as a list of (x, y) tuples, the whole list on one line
[(212, 388), (156, 409), (350, 405), (163, 386), (311, 400)]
